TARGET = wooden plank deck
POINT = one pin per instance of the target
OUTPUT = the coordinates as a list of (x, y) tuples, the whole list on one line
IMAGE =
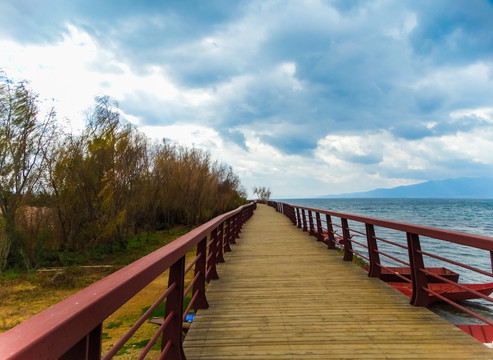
[(283, 295)]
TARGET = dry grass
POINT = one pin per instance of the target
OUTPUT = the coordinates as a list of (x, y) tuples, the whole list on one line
[(27, 294)]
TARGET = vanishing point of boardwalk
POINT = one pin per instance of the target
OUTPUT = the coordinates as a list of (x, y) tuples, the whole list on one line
[(283, 295)]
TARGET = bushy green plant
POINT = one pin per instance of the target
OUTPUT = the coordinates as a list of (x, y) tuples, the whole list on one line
[(11, 274)]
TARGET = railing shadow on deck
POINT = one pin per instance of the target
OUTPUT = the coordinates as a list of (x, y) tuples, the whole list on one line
[(364, 237), (72, 329)]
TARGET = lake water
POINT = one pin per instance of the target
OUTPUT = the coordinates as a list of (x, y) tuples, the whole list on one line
[(466, 215)]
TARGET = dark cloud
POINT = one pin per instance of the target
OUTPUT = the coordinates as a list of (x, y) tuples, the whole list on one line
[(369, 159), (198, 13), (357, 65), (465, 123), (41, 21), (357, 75), (154, 111), (411, 130), (31, 21), (453, 32), (294, 144), (429, 101), (236, 137), (346, 6)]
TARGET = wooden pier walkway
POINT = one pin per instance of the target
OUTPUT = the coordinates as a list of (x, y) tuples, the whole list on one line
[(283, 295)]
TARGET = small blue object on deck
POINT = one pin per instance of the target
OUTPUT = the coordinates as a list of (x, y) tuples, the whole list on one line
[(189, 318)]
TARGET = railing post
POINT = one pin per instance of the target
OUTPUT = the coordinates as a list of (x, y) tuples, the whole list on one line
[(285, 210), (233, 227), (234, 220), (310, 221), (237, 226), (320, 236), (292, 214), (304, 219), (88, 348), (225, 235), (242, 218), (200, 266), (420, 296), (299, 218), (245, 216), (219, 246), (239, 221), (374, 270), (330, 233), (348, 255), (230, 236), (211, 259), (174, 304)]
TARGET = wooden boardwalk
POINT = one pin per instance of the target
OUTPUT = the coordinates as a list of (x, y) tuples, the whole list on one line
[(283, 295)]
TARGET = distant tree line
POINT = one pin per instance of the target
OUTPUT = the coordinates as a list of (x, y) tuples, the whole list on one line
[(64, 192)]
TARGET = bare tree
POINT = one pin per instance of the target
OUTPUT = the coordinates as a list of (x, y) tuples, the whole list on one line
[(263, 193), (24, 138)]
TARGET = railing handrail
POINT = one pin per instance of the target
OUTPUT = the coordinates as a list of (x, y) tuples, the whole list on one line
[(457, 237), (57, 329), (308, 219)]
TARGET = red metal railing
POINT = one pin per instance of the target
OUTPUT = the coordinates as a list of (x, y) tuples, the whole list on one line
[(356, 235), (72, 329)]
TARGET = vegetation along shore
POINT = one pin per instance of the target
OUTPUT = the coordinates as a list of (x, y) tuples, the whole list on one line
[(71, 199)]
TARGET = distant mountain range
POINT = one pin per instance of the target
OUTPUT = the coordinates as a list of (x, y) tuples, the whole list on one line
[(464, 188)]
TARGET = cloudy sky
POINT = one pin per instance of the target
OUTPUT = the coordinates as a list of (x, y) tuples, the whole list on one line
[(306, 97)]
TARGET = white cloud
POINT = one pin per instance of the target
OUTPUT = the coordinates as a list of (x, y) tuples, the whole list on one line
[(75, 70), (56, 71), (483, 113), (475, 146), (463, 84), (401, 156), (186, 135)]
